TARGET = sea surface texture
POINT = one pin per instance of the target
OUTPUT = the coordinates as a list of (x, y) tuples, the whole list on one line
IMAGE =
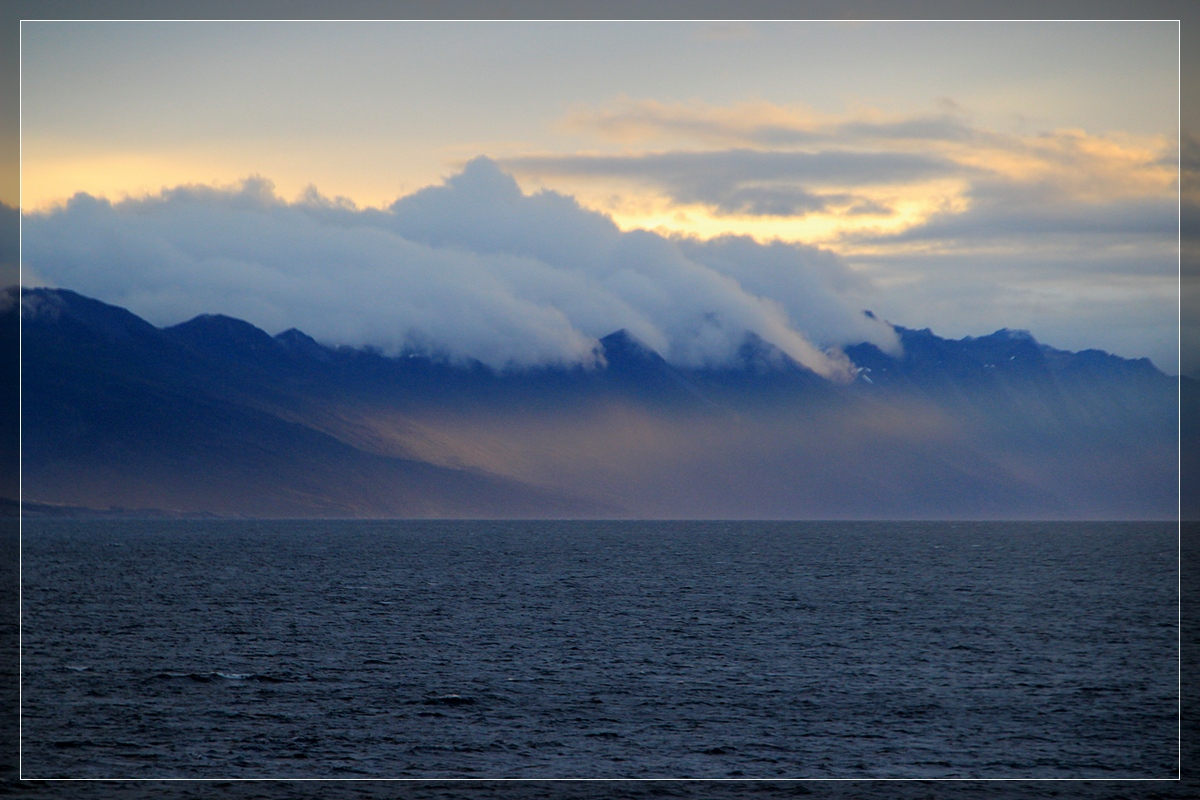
[(238, 649)]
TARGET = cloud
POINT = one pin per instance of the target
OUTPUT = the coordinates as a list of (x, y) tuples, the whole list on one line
[(940, 128), (1000, 212), (761, 124), (470, 269), (749, 181), (767, 160), (769, 271)]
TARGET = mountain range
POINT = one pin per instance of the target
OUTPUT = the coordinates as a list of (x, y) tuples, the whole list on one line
[(216, 416)]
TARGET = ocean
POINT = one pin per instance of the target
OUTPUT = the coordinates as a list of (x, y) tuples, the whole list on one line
[(474, 649)]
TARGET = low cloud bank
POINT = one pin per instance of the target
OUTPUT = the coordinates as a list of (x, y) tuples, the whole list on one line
[(471, 269)]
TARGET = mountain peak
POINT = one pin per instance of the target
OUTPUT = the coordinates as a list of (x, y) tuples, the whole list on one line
[(1010, 334), (300, 343), (55, 306), (218, 331), (622, 347)]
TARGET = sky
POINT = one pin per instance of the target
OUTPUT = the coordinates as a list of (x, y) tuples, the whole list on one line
[(512, 191)]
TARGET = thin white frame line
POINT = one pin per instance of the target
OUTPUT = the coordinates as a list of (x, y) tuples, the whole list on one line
[(1179, 401), (20, 404), (560, 19), (1178, 366)]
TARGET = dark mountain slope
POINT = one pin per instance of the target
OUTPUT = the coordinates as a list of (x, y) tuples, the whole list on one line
[(10, 403), (1018, 382), (217, 415), (120, 413), (1189, 434)]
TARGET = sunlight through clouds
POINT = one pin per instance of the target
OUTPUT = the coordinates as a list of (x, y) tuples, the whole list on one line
[(814, 175), (1005, 150)]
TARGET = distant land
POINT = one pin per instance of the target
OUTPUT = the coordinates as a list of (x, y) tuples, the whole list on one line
[(216, 417)]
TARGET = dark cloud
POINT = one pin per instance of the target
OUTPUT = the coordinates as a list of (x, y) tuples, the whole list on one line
[(931, 129), (761, 125), (944, 128), (999, 212), (749, 181), (474, 269), (764, 135), (870, 207), (761, 201), (840, 167)]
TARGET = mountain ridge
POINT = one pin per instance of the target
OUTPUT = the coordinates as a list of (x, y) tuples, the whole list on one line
[(188, 417)]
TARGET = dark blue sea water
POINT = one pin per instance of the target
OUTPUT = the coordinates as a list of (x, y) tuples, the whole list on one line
[(230, 649)]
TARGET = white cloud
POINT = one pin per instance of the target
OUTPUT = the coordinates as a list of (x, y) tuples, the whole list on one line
[(472, 269)]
